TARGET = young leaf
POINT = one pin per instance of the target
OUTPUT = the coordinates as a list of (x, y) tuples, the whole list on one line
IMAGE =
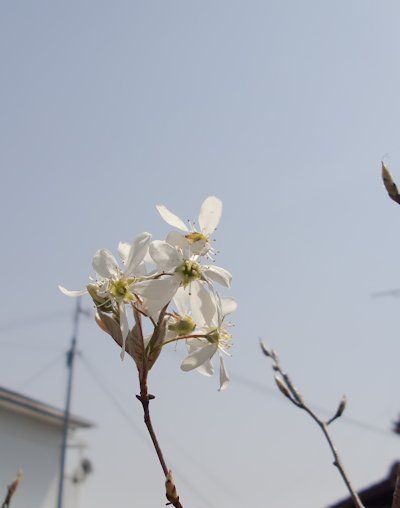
[(156, 343)]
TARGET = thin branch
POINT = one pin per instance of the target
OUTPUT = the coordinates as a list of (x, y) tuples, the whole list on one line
[(11, 490), (287, 387), (145, 397)]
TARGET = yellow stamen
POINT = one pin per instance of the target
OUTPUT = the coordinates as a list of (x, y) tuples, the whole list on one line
[(195, 237)]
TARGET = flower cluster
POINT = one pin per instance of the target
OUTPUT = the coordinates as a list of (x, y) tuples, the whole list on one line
[(171, 283)]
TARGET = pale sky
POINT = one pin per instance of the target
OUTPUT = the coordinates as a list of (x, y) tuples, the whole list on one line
[(283, 109)]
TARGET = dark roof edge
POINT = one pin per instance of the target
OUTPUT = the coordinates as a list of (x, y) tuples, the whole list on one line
[(34, 407)]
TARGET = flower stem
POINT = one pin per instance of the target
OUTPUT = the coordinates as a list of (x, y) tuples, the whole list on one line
[(145, 399), (183, 337)]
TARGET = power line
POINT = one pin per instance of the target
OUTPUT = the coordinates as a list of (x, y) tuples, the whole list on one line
[(118, 406), (30, 347), (40, 372), (103, 386), (184, 479), (23, 322)]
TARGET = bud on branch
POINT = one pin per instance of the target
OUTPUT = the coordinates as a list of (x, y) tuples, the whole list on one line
[(389, 184)]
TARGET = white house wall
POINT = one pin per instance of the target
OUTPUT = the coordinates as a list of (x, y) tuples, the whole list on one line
[(33, 446)]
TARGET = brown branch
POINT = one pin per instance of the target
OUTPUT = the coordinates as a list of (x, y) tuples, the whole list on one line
[(11, 490), (145, 397), (396, 495), (287, 387)]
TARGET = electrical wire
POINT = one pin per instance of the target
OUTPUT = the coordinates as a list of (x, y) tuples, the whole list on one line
[(37, 319), (266, 390), (30, 347), (48, 366)]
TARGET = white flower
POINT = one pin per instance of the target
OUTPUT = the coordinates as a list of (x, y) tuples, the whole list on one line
[(175, 270), (115, 286), (172, 260), (208, 311), (196, 242)]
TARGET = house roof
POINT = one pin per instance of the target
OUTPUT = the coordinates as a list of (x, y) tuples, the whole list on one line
[(32, 408), (377, 495)]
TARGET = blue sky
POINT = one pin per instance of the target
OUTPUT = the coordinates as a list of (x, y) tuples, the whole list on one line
[(283, 109)]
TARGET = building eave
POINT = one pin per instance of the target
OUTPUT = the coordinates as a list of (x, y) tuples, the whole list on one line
[(32, 408)]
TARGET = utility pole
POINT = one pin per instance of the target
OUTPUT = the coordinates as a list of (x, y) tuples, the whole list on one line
[(70, 366)]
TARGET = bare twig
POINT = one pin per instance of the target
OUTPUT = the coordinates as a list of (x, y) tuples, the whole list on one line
[(11, 490), (145, 397), (396, 495), (290, 391)]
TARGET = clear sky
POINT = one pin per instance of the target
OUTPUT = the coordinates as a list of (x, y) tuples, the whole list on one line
[(283, 109)]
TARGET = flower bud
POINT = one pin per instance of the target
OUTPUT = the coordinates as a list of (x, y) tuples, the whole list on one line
[(170, 489), (341, 407), (389, 184), (182, 325), (282, 387), (99, 301)]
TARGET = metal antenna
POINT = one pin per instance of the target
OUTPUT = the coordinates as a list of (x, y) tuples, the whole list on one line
[(70, 366)]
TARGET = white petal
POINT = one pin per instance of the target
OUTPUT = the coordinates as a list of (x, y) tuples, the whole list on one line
[(223, 375), (148, 258), (199, 248), (210, 215), (164, 255), (67, 292), (218, 274), (201, 355), (202, 305), (196, 344), (206, 369), (156, 293), (124, 326), (182, 302), (105, 264), (138, 250), (170, 218), (123, 251), (140, 270), (177, 240), (228, 305)]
